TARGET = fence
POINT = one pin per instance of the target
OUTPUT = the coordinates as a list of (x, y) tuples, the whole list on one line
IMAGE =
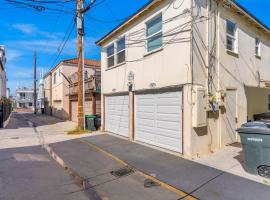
[(5, 110)]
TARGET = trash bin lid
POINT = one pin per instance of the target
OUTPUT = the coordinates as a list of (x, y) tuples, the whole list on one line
[(90, 116), (256, 127)]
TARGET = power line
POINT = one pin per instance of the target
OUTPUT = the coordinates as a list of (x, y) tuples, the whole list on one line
[(64, 41)]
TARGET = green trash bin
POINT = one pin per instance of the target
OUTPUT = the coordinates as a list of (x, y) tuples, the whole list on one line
[(90, 122), (255, 139)]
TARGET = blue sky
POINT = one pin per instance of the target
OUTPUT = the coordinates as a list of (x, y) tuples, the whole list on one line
[(23, 29)]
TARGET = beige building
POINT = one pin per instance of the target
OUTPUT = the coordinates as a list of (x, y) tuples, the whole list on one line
[(183, 75), (57, 86)]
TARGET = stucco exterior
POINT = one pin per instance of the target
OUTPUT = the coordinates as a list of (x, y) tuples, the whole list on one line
[(233, 81), (57, 88)]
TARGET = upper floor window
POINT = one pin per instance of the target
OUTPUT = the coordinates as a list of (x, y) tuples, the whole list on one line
[(231, 36), (54, 78), (154, 33), (121, 50), (257, 47), (110, 56)]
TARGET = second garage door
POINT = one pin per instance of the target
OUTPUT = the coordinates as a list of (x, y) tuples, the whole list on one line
[(117, 114), (158, 119)]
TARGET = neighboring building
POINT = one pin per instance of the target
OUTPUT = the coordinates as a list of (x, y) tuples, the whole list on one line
[(24, 97), (57, 86), (41, 94), (8, 93), (3, 76), (183, 75), (92, 103)]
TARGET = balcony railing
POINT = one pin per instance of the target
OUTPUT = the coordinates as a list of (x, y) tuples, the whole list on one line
[(91, 84)]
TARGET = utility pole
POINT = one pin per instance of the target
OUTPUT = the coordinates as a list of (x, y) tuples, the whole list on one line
[(80, 31), (80, 125), (35, 83)]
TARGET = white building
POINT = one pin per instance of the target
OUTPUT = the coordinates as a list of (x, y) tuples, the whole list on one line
[(183, 75), (3, 77), (25, 97)]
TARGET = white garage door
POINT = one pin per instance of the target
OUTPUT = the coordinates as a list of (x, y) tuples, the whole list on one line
[(158, 119), (117, 114)]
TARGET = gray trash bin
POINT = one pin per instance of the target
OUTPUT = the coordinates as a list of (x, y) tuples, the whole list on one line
[(255, 139), (90, 122)]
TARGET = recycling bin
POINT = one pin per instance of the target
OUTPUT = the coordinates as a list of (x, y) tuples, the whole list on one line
[(255, 139)]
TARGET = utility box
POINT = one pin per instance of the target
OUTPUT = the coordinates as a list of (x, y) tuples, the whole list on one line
[(199, 113)]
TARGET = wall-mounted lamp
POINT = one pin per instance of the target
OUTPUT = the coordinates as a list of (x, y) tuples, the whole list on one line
[(152, 85)]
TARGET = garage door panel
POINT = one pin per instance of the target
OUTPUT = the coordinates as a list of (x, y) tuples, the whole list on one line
[(169, 109), (168, 143), (116, 114), (147, 122), (163, 127), (173, 126)]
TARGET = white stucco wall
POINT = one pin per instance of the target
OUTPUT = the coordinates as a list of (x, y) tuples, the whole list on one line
[(230, 71), (167, 67)]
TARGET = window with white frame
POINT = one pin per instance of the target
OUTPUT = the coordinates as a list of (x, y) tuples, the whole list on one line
[(154, 33), (231, 36), (257, 47), (110, 55), (121, 50)]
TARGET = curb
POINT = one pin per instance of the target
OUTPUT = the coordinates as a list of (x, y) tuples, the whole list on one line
[(80, 181), (7, 121)]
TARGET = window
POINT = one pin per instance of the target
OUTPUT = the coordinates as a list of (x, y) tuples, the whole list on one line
[(54, 78), (30, 104), (154, 33), (121, 50), (257, 47), (22, 95), (231, 38), (110, 56), (59, 72)]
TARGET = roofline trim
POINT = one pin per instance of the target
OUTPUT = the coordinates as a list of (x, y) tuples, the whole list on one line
[(251, 16), (130, 18), (152, 2)]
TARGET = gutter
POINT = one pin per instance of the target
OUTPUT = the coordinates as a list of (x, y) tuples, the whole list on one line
[(249, 15)]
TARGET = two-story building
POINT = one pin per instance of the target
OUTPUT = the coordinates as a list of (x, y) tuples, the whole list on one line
[(25, 97), (3, 76), (183, 75), (57, 85)]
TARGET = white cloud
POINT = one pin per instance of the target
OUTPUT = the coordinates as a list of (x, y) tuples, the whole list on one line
[(26, 28), (13, 55)]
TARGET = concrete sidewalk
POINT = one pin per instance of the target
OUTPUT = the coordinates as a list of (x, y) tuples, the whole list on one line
[(26, 170)]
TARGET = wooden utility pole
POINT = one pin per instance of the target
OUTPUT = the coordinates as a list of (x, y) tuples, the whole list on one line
[(35, 83), (80, 31), (80, 125)]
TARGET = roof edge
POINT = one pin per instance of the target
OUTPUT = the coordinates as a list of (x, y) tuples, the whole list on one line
[(152, 2)]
